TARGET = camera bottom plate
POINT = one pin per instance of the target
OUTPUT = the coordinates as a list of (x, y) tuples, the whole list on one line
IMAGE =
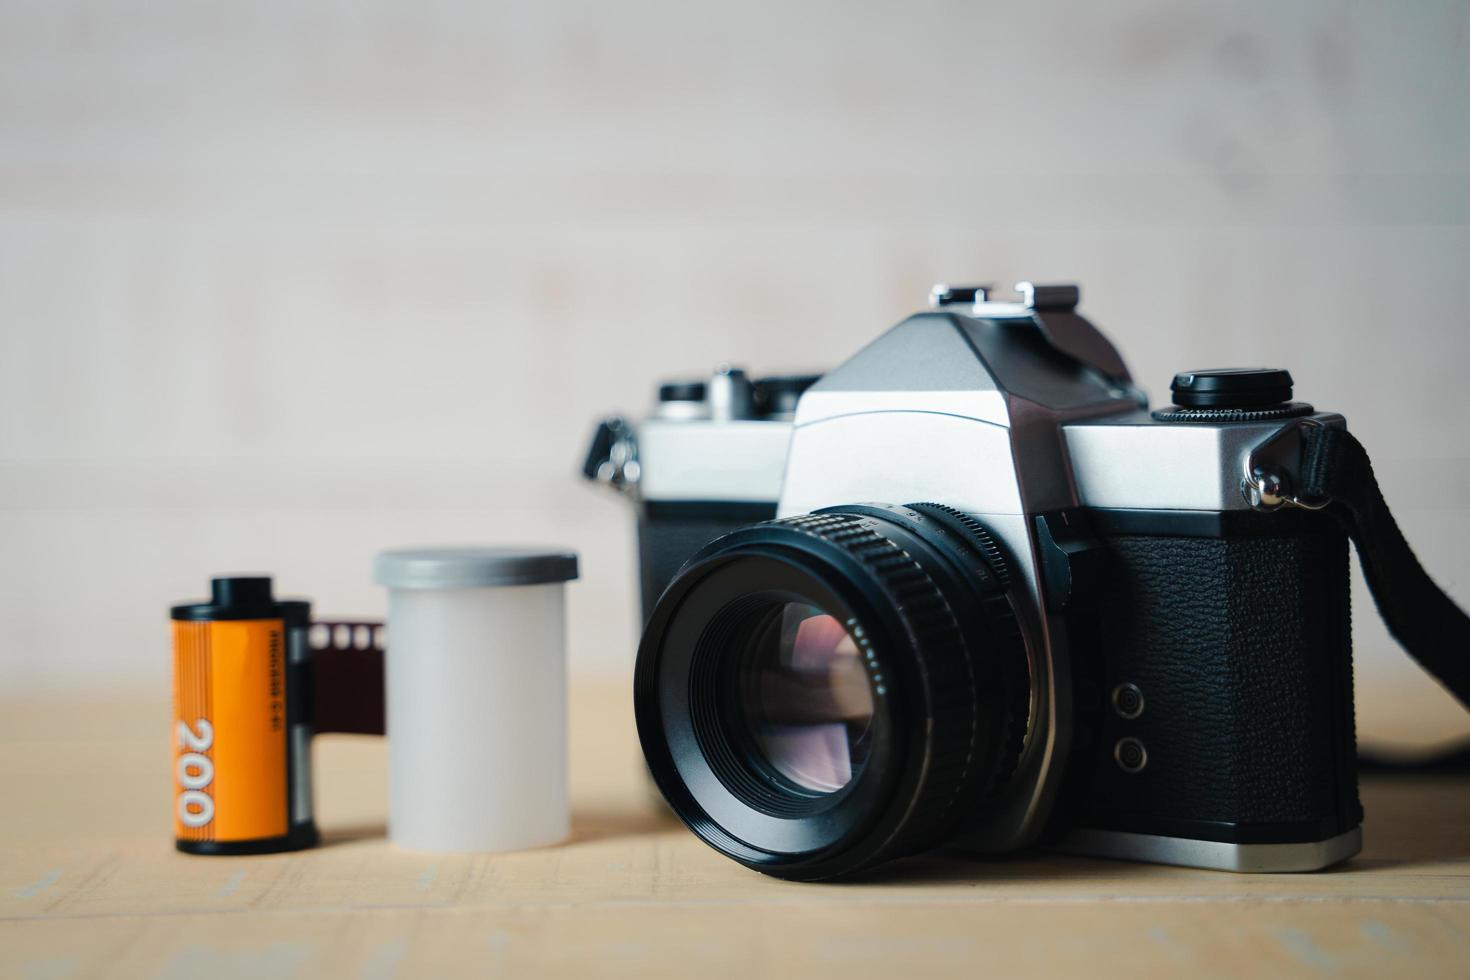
[(1214, 855)]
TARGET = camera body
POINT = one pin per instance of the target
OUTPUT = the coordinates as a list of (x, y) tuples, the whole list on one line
[(708, 460), (1181, 690)]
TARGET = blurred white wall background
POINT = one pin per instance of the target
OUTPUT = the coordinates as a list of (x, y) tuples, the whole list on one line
[(282, 284)]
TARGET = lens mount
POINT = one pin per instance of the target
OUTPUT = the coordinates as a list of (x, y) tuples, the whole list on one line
[(819, 694)]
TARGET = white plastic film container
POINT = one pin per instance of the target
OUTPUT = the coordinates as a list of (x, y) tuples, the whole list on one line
[(476, 697)]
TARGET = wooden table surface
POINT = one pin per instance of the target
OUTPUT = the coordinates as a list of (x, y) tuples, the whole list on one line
[(90, 885)]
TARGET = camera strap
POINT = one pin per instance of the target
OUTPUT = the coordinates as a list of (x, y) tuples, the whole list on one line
[(1337, 476)]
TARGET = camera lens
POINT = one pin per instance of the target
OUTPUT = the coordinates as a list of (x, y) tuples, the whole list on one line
[(819, 694), (805, 699)]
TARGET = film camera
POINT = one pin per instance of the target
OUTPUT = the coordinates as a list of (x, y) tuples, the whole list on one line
[(966, 588)]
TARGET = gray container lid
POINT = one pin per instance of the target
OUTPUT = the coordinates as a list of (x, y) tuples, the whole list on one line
[(472, 567)]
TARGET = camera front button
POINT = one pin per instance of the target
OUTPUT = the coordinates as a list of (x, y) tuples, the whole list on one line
[(1128, 701), (1130, 755)]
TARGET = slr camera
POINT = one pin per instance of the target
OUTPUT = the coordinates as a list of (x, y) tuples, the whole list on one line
[(967, 589)]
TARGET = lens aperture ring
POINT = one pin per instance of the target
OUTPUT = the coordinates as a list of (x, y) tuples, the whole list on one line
[(959, 521)]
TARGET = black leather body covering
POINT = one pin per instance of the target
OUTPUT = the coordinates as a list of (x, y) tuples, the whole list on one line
[(1240, 641), (670, 533)]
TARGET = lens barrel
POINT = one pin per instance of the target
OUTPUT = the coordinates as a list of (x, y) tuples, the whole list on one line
[(819, 694)]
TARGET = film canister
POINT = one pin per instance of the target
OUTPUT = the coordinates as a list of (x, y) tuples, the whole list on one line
[(241, 735), (476, 697)]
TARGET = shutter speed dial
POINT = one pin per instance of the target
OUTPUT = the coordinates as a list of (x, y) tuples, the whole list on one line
[(1232, 395)]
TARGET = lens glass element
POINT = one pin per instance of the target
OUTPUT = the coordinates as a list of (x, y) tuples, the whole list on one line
[(805, 697)]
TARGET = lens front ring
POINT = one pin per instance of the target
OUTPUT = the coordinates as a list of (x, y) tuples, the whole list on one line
[(712, 763)]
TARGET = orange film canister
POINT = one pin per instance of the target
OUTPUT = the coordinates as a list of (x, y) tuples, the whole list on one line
[(241, 737)]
